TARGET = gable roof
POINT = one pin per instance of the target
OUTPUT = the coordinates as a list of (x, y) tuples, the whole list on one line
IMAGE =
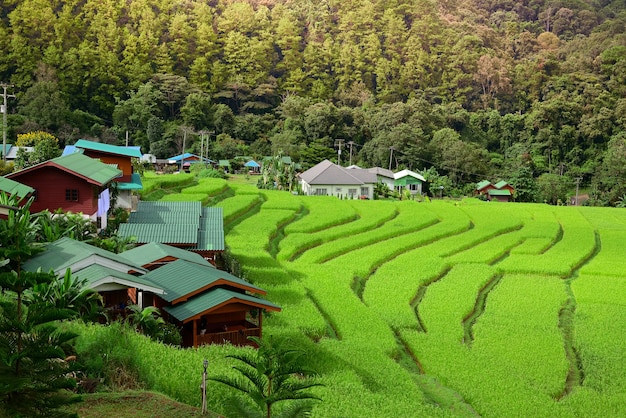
[(185, 156), (502, 184), (499, 192), (209, 301), (184, 223), (89, 169), (166, 233), (100, 276), (253, 164), (408, 173), (327, 172), (182, 279), (379, 171), (483, 184), (154, 252), (108, 148), (13, 187), (67, 253)]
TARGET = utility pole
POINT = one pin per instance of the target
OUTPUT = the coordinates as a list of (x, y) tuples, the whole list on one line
[(578, 180), (182, 154), (350, 143), (339, 144), (5, 110), (391, 150), (208, 139)]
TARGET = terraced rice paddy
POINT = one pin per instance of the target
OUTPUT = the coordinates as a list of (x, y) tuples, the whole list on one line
[(442, 308)]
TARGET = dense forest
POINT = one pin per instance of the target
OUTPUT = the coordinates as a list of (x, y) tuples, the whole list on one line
[(529, 91)]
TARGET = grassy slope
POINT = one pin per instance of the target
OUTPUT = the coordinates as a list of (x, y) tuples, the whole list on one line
[(491, 310)]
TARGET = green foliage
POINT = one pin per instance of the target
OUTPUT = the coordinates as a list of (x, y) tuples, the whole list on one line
[(33, 371), (271, 374)]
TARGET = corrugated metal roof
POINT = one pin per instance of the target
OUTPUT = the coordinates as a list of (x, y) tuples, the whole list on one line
[(164, 221), (109, 149), (499, 192), (134, 183), (13, 187), (153, 251), (501, 184), (90, 169), (181, 278), (211, 299), (96, 275), (65, 252), (160, 232), (84, 166), (211, 233), (161, 206)]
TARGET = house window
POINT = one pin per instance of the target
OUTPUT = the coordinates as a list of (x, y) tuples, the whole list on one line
[(337, 189), (365, 191), (321, 192), (71, 195), (351, 192)]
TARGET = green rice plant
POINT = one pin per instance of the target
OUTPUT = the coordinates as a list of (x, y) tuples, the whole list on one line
[(486, 223), (392, 290), (369, 217), (487, 252), (258, 230), (576, 246), (238, 205), (532, 246), (416, 223), (600, 321), (516, 362), (278, 199), (450, 299), (184, 197), (610, 260), (208, 187), (322, 212), (152, 181)]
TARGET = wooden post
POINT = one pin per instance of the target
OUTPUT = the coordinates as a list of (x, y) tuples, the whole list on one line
[(260, 323), (195, 332)]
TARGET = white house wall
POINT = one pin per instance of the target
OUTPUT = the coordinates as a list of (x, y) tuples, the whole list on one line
[(342, 191)]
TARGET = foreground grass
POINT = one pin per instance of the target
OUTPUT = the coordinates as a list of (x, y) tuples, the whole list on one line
[(133, 404)]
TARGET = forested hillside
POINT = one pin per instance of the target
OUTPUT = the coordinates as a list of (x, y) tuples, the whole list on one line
[(530, 91)]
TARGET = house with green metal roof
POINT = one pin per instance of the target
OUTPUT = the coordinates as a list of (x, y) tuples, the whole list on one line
[(186, 225), (72, 183), (117, 279), (210, 305), (120, 157), (11, 187), (501, 191), (154, 255)]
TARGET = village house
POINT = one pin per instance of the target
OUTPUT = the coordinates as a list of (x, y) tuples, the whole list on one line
[(73, 183)]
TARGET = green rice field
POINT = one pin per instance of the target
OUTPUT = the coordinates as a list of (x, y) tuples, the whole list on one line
[(430, 309)]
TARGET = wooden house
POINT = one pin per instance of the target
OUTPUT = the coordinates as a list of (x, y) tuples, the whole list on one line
[(501, 191), (72, 183), (121, 158), (210, 306), (117, 279)]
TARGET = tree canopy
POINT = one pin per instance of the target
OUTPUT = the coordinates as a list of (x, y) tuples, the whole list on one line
[(520, 82)]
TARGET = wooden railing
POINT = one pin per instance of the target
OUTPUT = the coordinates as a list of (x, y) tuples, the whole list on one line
[(235, 337)]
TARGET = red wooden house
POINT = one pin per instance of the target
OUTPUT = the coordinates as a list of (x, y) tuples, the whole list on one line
[(73, 183), (122, 158)]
